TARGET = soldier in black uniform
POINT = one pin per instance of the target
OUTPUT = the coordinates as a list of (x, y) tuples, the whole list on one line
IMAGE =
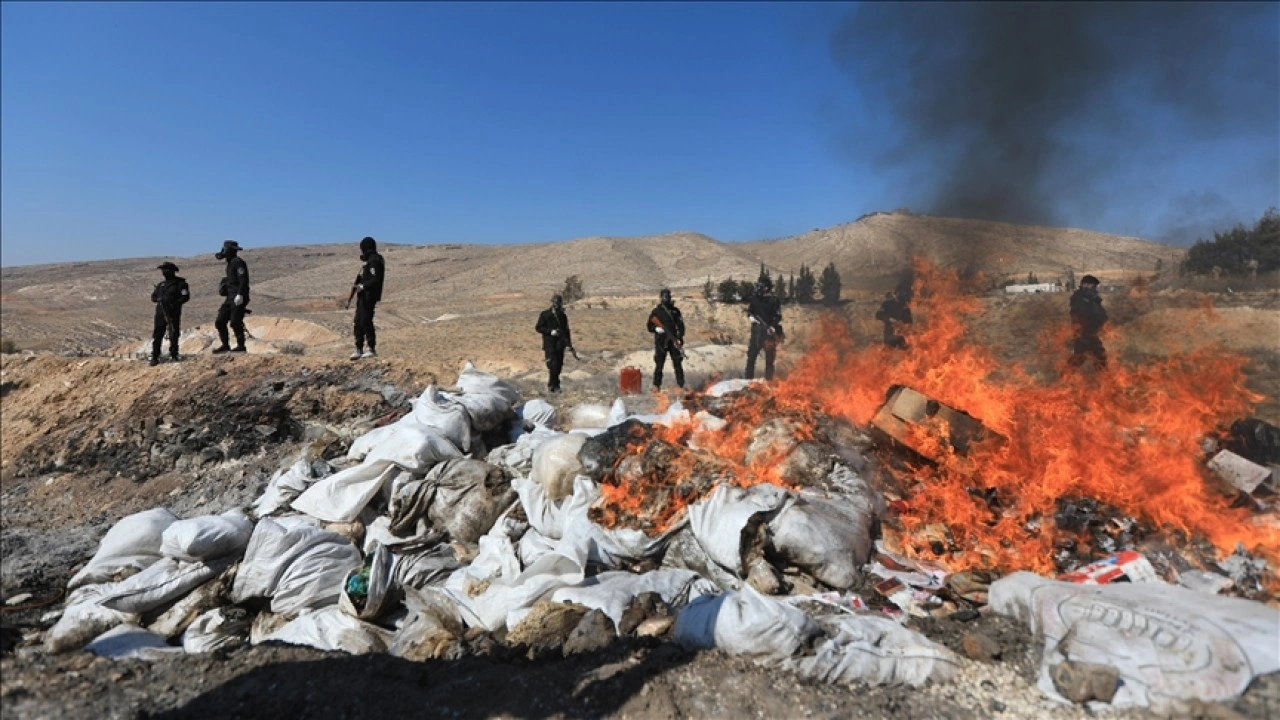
[(1087, 317), (368, 291), (553, 325), (765, 312), (893, 310), (169, 297), (235, 288), (667, 325)]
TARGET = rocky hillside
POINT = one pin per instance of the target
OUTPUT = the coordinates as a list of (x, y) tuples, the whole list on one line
[(92, 306)]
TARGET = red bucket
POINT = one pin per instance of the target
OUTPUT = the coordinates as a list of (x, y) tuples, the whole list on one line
[(629, 381)]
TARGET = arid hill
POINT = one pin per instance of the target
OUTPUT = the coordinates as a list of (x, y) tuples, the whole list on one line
[(93, 306), (878, 245)]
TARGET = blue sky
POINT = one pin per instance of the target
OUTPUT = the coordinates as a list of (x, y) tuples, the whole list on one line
[(147, 129)]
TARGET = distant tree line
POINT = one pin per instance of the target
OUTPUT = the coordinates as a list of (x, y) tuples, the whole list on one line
[(1238, 251), (804, 289)]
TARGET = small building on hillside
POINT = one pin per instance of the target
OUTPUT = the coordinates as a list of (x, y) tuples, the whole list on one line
[(1031, 289)]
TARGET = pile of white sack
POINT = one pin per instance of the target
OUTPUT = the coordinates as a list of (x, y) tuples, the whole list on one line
[(427, 534)]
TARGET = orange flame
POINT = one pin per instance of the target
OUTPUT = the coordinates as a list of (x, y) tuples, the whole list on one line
[(1128, 436)]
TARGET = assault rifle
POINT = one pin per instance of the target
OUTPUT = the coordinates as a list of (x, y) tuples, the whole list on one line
[(672, 343)]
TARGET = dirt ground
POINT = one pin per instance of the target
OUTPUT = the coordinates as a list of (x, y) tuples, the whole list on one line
[(87, 440)]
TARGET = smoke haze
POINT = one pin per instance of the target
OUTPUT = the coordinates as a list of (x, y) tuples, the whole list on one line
[(1040, 112)]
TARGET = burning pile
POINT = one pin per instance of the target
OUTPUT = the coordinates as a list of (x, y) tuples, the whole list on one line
[(742, 520), (1004, 485)]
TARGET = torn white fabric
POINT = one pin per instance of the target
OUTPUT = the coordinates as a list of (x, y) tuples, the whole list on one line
[(285, 486), (340, 497), (612, 592), (875, 650), (720, 520), (331, 629), (162, 583), (84, 619), (215, 630), (131, 641)]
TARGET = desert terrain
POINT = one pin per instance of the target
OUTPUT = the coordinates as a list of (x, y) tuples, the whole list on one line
[(90, 433)]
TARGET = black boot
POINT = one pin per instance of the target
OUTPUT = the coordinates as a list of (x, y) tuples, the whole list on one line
[(239, 348), (221, 349), (155, 360)]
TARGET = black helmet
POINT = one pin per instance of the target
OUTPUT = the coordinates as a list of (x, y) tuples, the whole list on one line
[(556, 301), (368, 245), (229, 247), (664, 295), (764, 284), (1088, 280), (167, 267)]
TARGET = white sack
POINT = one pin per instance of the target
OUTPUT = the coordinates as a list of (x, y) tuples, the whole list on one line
[(518, 457), (548, 516), (1168, 643), (285, 485), (84, 619), (131, 641), (208, 596), (469, 497), (131, 544), (617, 413), (719, 520), (485, 410), (724, 387), (215, 630), (332, 629), (828, 538), (475, 382), (425, 568), (492, 592), (590, 416), (538, 412), (296, 565), (744, 622), (363, 445), (439, 413), (207, 537), (612, 592), (163, 582), (416, 447), (875, 650), (556, 463), (341, 496)]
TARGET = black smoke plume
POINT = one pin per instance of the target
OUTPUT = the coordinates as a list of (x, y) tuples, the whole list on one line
[(1025, 111)]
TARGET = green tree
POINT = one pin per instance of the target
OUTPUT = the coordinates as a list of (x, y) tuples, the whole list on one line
[(764, 274), (572, 289), (830, 285), (803, 290), (709, 290), (747, 290), (1240, 250), (728, 288)]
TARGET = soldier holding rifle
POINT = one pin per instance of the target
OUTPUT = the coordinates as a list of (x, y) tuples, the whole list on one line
[(667, 325), (169, 297)]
